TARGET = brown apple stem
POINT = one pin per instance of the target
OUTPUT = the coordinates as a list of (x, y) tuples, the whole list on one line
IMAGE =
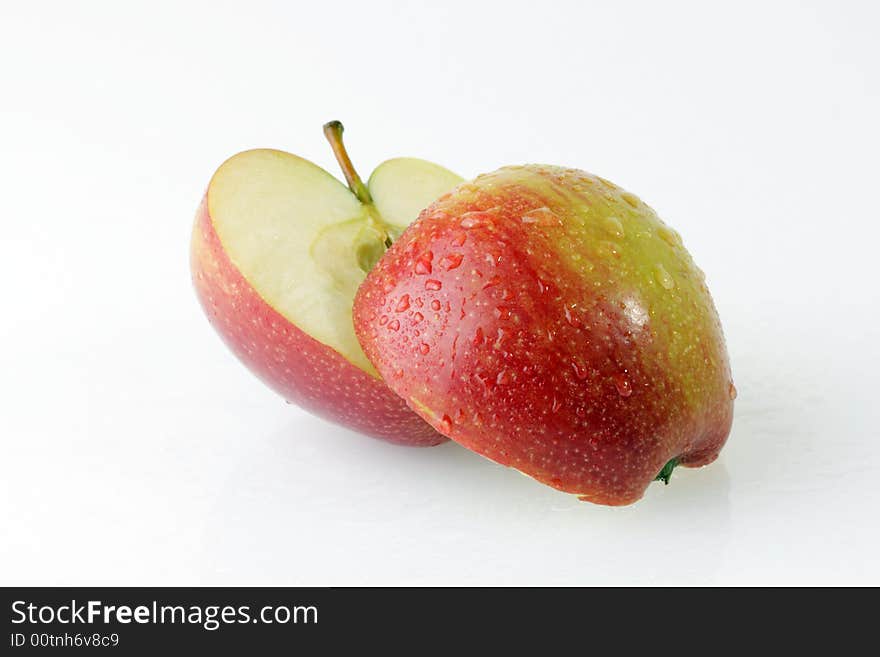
[(333, 133), (666, 472)]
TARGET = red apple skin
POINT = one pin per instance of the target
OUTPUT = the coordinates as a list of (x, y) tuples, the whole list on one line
[(543, 344), (295, 365)]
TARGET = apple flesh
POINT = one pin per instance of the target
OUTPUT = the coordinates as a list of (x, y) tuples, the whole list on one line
[(278, 250), (547, 319)]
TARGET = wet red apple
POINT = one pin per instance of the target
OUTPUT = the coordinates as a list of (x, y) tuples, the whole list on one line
[(547, 319)]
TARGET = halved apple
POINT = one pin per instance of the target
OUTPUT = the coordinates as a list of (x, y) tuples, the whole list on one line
[(279, 249)]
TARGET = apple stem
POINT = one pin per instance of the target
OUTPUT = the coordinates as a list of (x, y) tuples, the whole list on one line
[(666, 472), (333, 132)]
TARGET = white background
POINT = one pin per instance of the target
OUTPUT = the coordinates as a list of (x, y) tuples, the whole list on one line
[(137, 450)]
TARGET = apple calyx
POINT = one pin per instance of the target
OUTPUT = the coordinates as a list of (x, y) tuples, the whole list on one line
[(367, 253), (666, 472)]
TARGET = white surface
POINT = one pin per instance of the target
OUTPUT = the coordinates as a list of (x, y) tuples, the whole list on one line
[(137, 450)]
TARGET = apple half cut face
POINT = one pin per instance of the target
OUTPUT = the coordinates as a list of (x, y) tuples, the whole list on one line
[(279, 249)]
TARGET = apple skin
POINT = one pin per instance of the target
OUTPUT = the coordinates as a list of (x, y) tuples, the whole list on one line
[(301, 369), (548, 320)]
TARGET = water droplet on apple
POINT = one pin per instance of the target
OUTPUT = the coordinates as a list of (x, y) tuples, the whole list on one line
[(624, 387), (433, 284), (403, 304), (418, 317), (459, 238), (478, 336), (435, 305), (492, 282), (613, 226), (571, 318), (731, 391), (543, 216), (424, 348), (663, 278), (499, 340), (383, 320), (632, 199), (504, 378), (472, 219), (451, 261), (555, 405), (398, 374), (580, 370), (423, 263), (394, 325), (502, 313), (669, 236), (446, 424)]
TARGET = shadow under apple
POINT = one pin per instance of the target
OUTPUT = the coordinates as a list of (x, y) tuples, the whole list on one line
[(315, 504)]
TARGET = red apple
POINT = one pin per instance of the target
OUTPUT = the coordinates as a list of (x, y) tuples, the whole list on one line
[(279, 248), (548, 320)]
